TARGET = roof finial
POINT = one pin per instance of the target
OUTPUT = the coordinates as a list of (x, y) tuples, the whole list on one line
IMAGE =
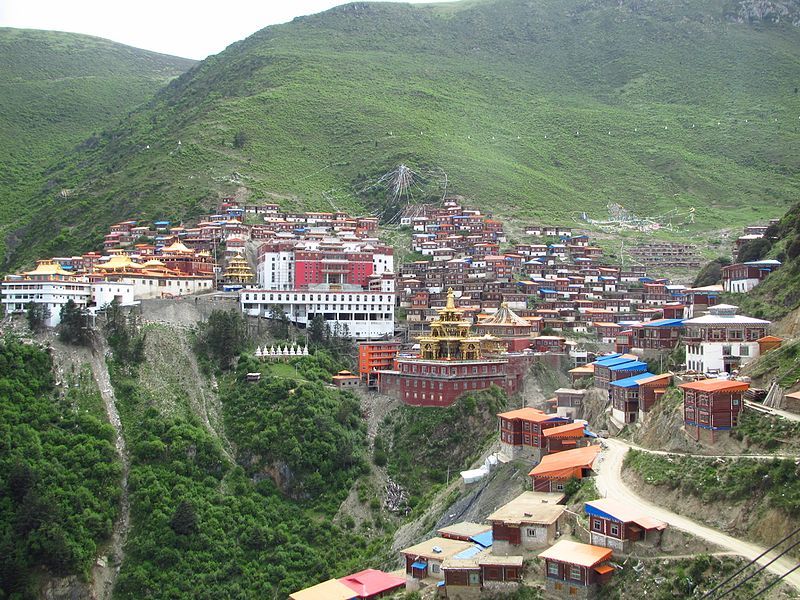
[(451, 298)]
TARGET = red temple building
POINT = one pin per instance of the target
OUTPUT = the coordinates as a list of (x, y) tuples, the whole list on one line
[(451, 363)]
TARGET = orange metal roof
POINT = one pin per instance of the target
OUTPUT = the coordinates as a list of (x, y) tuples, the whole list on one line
[(567, 463), (528, 413), (568, 430), (655, 378), (576, 553), (603, 569), (584, 369), (769, 338), (716, 385)]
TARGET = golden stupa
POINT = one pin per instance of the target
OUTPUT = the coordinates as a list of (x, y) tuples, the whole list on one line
[(451, 338), (238, 271)]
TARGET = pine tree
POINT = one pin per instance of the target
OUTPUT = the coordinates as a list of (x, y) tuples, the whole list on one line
[(74, 328), (184, 520), (37, 315)]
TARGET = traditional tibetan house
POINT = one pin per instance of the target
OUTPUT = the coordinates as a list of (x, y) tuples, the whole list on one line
[(346, 379), (624, 396), (658, 335), (549, 343), (651, 390), (574, 570), (711, 407), (465, 532), (569, 402), (521, 432), (565, 437), (579, 373), (371, 584), (425, 559), (618, 526), (625, 370), (531, 520), (602, 366), (768, 342), (555, 470), (722, 341), (466, 577)]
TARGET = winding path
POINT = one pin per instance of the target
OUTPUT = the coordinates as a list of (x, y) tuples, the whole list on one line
[(611, 485), (104, 575)]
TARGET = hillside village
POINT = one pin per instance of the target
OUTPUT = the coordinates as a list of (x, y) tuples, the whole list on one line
[(472, 312)]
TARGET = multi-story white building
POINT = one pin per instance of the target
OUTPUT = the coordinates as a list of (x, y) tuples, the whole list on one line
[(722, 341), (49, 285), (367, 314)]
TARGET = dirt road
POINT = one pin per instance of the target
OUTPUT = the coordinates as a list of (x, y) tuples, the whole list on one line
[(610, 484), (773, 411)]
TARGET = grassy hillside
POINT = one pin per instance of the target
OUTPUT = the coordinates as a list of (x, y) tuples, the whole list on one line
[(58, 90), (538, 110), (779, 293)]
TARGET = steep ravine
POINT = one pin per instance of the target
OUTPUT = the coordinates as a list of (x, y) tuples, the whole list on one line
[(106, 568)]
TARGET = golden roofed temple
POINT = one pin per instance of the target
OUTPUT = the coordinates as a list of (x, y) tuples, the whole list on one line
[(505, 322), (238, 271), (451, 338)]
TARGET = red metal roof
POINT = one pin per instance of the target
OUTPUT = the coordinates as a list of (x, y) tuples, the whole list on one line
[(370, 582)]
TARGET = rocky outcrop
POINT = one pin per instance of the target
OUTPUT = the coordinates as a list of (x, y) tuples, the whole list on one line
[(765, 11)]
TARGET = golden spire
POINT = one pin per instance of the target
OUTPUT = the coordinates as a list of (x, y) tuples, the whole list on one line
[(451, 298)]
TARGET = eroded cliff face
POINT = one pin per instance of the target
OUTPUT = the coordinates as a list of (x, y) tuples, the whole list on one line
[(768, 11)]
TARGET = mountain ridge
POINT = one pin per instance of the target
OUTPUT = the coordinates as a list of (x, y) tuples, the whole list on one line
[(542, 110)]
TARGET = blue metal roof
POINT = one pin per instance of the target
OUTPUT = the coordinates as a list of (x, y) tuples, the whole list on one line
[(419, 565), (596, 512), (610, 362), (469, 552), (628, 366), (484, 539), (548, 291), (663, 323), (630, 382)]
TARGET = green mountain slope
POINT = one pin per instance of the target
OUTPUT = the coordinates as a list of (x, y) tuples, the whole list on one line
[(58, 89), (538, 110), (778, 294)]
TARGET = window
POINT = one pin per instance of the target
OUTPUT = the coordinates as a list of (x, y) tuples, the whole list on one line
[(552, 568), (573, 591), (530, 532), (614, 529), (575, 572), (744, 350), (597, 525), (560, 487), (434, 568)]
